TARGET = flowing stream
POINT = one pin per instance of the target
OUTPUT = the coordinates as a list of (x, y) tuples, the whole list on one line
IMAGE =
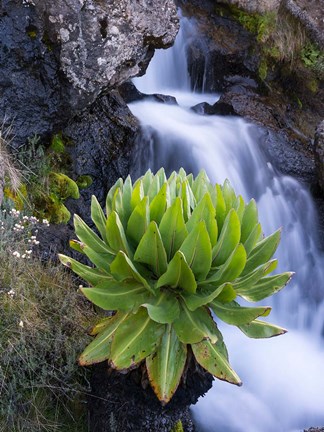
[(283, 377)]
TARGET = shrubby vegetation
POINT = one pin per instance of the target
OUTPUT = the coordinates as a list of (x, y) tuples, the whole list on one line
[(42, 330), (45, 184)]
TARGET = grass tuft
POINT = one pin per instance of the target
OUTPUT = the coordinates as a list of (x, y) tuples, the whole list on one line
[(42, 332)]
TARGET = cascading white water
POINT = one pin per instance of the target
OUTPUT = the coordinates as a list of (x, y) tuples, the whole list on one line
[(283, 377)]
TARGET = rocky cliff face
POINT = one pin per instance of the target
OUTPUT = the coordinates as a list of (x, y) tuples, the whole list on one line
[(261, 64)]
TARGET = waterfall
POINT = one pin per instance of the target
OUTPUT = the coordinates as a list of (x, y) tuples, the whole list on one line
[(283, 377)]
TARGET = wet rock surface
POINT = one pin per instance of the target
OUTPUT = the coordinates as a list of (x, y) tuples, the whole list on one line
[(126, 403)]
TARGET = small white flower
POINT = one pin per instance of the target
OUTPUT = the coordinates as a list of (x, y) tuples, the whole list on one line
[(23, 256), (80, 286), (21, 324), (16, 254)]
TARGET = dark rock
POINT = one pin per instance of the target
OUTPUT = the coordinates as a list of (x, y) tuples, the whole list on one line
[(130, 94), (57, 57), (319, 153), (101, 139), (126, 403), (314, 429), (219, 108), (171, 100)]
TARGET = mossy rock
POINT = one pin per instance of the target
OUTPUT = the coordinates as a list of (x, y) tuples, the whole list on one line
[(63, 186)]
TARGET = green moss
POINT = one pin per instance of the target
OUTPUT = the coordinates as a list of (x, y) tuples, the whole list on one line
[(56, 212), (177, 427), (84, 181), (263, 69), (57, 144), (260, 25), (63, 186)]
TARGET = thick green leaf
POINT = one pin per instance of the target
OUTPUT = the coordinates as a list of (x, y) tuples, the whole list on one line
[(159, 204), (164, 308), (127, 196), (220, 207), (205, 295), (188, 199), (172, 228), (194, 326), (117, 205), (99, 349), (178, 274), (227, 294), (250, 220), (200, 185), (265, 287), (138, 221), (154, 188), (98, 217), (147, 181), (161, 175), (246, 282), (99, 259), (137, 194), (239, 207), (205, 211), (212, 358), (151, 250), (166, 365), (197, 250), (122, 268), (90, 238), (260, 329), (262, 252), (116, 235), (229, 195), (114, 295), (101, 325), (91, 275), (233, 313), (76, 245), (135, 339), (254, 237), (228, 239), (231, 269), (172, 181), (110, 195), (182, 174)]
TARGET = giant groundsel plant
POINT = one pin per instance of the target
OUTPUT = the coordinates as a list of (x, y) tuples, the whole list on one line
[(172, 257)]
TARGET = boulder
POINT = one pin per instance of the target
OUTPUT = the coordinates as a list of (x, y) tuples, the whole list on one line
[(57, 57)]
